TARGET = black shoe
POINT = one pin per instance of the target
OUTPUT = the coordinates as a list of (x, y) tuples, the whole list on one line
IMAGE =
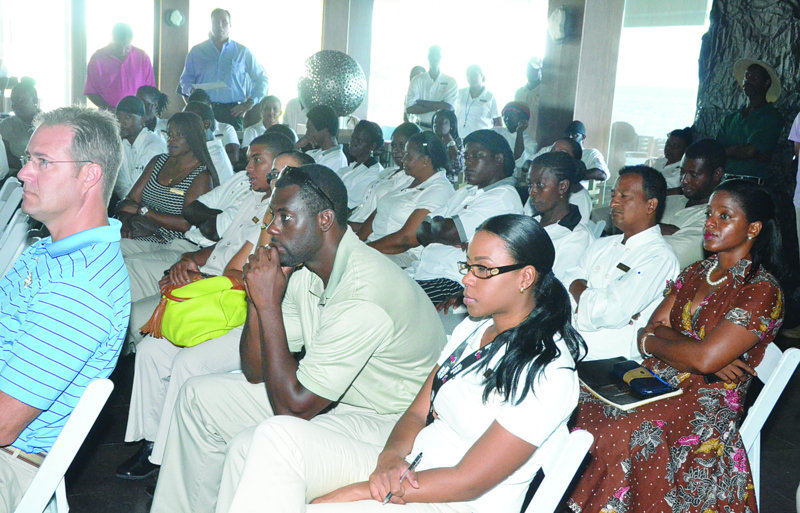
[(138, 466)]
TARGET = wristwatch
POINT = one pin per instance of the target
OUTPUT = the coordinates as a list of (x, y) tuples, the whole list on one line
[(143, 210)]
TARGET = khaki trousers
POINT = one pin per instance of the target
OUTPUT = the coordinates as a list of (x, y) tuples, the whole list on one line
[(15, 477), (291, 461), (160, 370)]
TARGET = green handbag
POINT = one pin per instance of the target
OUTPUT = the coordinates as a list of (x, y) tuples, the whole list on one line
[(202, 310)]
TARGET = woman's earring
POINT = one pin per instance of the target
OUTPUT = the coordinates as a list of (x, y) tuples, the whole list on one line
[(522, 290)]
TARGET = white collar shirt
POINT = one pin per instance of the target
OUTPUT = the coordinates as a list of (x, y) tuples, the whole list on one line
[(475, 113), (135, 158), (228, 197), (220, 159), (251, 132), (671, 172), (468, 208), (390, 179), (569, 245), (623, 281), (332, 158), (423, 87), (227, 133), (357, 179), (396, 207), (687, 242), (245, 227)]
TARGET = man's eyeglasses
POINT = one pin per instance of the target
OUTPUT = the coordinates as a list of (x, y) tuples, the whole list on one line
[(274, 174), (483, 272), (302, 175), (42, 164)]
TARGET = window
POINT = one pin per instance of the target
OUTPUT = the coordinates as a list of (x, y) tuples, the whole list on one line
[(102, 16), (37, 46), (500, 36), (281, 35)]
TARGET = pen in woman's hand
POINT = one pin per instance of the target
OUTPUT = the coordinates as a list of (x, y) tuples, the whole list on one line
[(404, 474)]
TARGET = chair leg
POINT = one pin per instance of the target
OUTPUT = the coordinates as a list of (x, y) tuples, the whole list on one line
[(60, 499), (754, 456)]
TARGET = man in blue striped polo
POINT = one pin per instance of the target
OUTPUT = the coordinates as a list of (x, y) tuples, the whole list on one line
[(64, 306)]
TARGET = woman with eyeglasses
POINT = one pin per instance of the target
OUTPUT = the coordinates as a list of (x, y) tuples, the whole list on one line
[(551, 178), (152, 214), (706, 337), (390, 179), (392, 228), (472, 420)]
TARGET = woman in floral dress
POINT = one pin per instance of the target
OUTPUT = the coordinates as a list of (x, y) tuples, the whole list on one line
[(685, 454)]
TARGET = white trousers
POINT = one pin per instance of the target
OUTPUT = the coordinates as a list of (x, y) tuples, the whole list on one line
[(291, 461), (15, 477), (160, 371), (147, 261)]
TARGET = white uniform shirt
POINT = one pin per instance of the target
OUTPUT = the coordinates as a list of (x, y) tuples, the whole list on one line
[(590, 157), (531, 98), (220, 159), (227, 197), (396, 207), (227, 133), (246, 227), (580, 199), (388, 180), (161, 128), (357, 179), (475, 113), (333, 158), (295, 116), (569, 245), (135, 158), (623, 280), (463, 417), (468, 208), (671, 172), (423, 87), (528, 143), (687, 242), (252, 132)]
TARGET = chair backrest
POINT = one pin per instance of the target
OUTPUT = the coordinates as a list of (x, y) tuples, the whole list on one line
[(564, 453), (13, 240), (50, 477), (775, 370), (10, 197)]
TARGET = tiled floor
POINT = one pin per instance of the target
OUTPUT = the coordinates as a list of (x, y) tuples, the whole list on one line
[(92, 486)]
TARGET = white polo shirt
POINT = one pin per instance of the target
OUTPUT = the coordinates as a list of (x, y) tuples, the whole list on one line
[(671, 172), (245, 227), (475, 113), (252, 132), (135, 158), (227, 197), (687, 242), (623, 280), (332, 158), (295, 116), (395, 208), (358, 178), (468, 208), (423, 87), (389, 180), (220, 159), (570, 244), (227, 133)]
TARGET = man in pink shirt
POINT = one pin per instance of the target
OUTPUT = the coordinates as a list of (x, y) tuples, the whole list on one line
[(117, 70)]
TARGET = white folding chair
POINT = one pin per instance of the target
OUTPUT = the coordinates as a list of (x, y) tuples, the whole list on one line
[(47, 491), (10, 196), (564, 453), (775, 370), (13, 240), (452, 318), (4, 169), (596, 228)]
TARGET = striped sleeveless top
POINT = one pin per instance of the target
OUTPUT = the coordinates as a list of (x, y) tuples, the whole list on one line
[(166, 199)]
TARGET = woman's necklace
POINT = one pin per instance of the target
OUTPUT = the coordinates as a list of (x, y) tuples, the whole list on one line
[(711, 269)]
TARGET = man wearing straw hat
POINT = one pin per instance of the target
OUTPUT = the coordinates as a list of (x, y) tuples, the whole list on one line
[(751, 133)]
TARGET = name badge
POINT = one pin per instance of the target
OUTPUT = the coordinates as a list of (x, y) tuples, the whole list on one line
[(255, 220), (622, 267), (179, 192)]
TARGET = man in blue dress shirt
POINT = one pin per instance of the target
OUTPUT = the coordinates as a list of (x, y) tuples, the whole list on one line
[(65, 303), (219, 59)]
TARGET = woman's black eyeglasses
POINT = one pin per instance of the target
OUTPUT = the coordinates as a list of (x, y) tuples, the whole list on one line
[(483, 272)]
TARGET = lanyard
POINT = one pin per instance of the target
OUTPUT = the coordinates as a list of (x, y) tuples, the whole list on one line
[(450, 369)]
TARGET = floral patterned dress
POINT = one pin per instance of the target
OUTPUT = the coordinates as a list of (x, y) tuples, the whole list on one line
[(682, 454)]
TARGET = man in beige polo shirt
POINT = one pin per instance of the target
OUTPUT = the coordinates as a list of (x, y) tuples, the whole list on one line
[(368, 332)]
